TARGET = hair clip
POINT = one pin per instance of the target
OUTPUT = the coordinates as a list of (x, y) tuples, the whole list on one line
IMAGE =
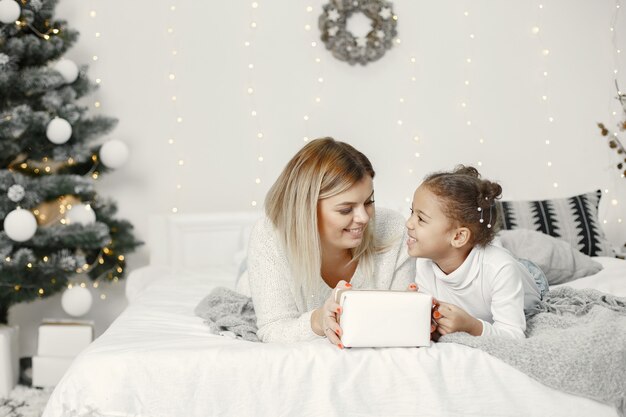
[(481, 220)]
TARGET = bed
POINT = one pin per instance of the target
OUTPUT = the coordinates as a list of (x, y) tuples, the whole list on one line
[(160, 360)]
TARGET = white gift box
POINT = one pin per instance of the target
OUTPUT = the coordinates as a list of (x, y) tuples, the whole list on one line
[(47, 371), (9, 359), (58, 344), (64, 338)]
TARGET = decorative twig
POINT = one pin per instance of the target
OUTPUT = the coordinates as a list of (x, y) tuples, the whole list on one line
[(614, 142)]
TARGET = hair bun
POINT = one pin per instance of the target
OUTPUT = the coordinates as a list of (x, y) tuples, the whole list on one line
[(466, 170), (490, 191)]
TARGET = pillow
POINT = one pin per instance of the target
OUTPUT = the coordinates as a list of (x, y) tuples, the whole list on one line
[(557, 259), (573, 219), (242, 284)]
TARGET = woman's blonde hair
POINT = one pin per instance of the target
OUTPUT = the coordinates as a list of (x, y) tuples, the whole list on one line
[(321, 169)]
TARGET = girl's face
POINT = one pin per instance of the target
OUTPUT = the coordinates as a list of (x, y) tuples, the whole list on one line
[(343, 218), (430, 230)]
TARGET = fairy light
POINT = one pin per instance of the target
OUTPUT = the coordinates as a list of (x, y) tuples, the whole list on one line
[(174, 100), (251, 92), (405, 124), (21, 24), (313, 105), (469, 38), (543, 98), (615, 108)]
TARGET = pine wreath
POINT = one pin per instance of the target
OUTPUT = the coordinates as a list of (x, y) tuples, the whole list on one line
[(343, 44)]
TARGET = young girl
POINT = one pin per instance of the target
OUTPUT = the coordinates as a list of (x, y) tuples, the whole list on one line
[(478, 288)]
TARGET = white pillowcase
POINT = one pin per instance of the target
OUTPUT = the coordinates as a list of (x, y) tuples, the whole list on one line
[(556, 258), (243, 284)]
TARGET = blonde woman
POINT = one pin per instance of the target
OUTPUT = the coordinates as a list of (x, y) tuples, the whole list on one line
[(321, 232)]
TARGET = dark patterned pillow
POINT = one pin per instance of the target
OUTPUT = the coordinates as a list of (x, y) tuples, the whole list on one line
[(573, 219)]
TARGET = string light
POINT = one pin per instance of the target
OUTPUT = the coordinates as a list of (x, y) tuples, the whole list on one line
[(65, 203), (615, 107), (410, 142), (543, 98), (174, 100), (468, 64), (259, 142), (44, 35)]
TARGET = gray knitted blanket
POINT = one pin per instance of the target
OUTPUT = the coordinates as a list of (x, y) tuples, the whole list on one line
[(576, 344), (227, 312)]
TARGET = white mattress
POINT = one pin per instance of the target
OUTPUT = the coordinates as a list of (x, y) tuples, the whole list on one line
[(159, 360)]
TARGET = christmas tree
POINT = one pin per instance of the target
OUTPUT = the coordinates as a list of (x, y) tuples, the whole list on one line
[(54, 224)]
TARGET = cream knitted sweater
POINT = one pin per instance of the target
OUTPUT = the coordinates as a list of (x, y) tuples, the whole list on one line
[(284, 311)]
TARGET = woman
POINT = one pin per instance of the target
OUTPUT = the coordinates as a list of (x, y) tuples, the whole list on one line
[(321, 233)]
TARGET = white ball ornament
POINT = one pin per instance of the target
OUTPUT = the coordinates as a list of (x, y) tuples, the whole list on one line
[(68, 69), (20, 225), (81, 214), (76, 301), (58, 131), (114, 153), (10, 11)]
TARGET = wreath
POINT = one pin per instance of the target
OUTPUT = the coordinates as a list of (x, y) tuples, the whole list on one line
[(343, 44)]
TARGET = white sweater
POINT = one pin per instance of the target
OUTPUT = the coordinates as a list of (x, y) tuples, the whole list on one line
[(284, 311), (490, 285)]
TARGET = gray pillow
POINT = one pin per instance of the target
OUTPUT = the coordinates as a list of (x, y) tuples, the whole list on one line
[(558, 259)]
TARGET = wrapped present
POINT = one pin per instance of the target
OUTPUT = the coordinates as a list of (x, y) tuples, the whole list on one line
[(48, 370), (58, 344), (9, 359), (64, 338)]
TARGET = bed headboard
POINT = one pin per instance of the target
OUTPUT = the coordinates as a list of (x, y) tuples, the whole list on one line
[(197, 241)]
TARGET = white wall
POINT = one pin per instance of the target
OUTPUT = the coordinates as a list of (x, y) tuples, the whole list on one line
[(217, 139)]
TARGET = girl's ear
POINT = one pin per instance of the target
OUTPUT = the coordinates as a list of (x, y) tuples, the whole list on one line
[(461, 237)]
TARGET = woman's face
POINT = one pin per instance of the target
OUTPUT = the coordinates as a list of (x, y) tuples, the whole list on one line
[(343, 218)]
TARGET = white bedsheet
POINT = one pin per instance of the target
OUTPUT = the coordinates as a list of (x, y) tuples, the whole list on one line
[(159, 360)]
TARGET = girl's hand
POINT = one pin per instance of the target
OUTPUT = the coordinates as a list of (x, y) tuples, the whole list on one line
[(324, 319), (451, 318)]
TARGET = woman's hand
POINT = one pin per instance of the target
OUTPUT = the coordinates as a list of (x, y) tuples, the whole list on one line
[(451, 318), (324, 319)]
